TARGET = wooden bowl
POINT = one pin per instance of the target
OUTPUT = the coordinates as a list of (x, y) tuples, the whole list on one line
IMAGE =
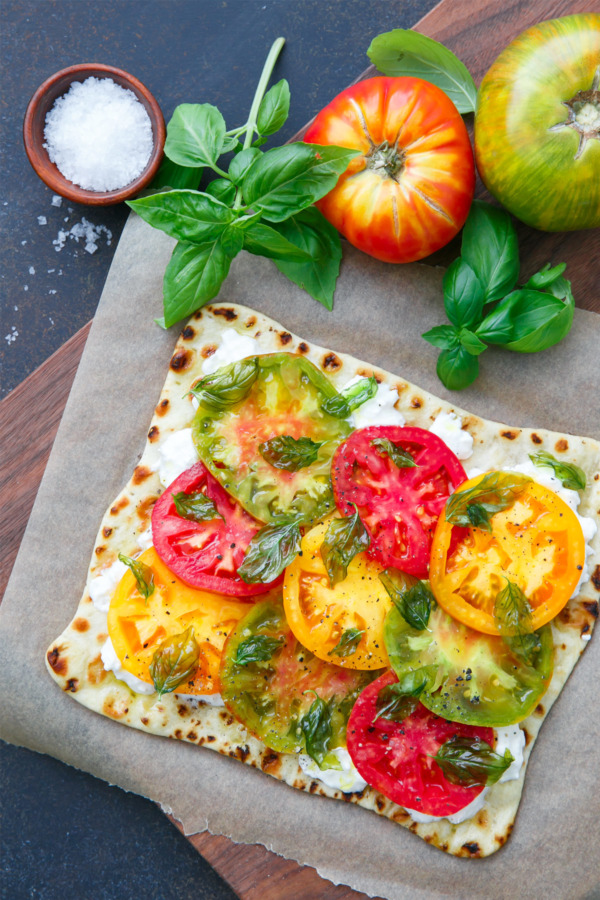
[(35, 120)]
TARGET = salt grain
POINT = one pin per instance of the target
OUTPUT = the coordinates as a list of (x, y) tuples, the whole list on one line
[(42, 220), (56, 200), (99, 135), (31, 270), (86, 231)]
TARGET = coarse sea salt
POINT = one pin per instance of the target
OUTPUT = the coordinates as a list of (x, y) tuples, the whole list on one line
[(99, 135)]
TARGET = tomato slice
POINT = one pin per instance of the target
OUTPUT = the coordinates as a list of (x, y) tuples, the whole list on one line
[(284, 399), (480, 680), (269, 696), (205, 554), (399, 507), (537, 544), (138, 626), (319, 615), (396, 757)]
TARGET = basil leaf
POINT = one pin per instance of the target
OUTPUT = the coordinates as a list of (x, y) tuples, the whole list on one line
[(403, 52), (474, 507), (175, 661), (540, 320), (490, 247), (344, 538), (310, 231), (471, 761), (497, 327), (291, 454), (401, 458), (227, 386), (193, 277), (412, 598), (271, 549), (316, 728), (545, 277), (457, 368), (274, 108), (287, 179), (257, 648), (348, 643), (195, 135), (221, 189), (262, 240), (512, 610), (572, 476), (525, 646), (232, 239), (471, 342), (446, 337), (143, 575), (395, 703), (185, 215), (240, 164), (195, 507), (344, 403), (463, 294), (170, 175)]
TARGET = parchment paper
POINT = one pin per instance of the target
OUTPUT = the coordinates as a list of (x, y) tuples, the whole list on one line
[(380, 311)]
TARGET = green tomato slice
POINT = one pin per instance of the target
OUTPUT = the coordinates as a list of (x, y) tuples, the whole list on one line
[(473, 678), (284, 398), (269, 681)]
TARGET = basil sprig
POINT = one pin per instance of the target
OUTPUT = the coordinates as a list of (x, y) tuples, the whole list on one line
[(348, 643), (317, 731), (412, 598), (195, 507), (572, 476), (175, 661), (227, 386), (271, 549), (343, 539), (474, 507), (484, 305), (257, 648), (471, 761), (343, 404), (261, 202), (289, 453), (512, 613), (143, 574), (400, 457)]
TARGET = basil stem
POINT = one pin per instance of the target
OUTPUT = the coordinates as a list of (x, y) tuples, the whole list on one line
[(344, 538), (400, 457), (257, 648), (474, 507), (471, 761), (289, 453), (195, 507), (348, 643), (572, 476), (412, 598), (271, 549), (175, 661), (343, 404), (144, 576)]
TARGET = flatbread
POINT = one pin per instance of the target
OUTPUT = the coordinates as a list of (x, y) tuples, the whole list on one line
[(74, 661)]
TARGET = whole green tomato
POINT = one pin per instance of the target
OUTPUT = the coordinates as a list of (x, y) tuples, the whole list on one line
[(537, 125)]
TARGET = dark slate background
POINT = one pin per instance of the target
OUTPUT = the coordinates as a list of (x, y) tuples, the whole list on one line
[(63, 833)]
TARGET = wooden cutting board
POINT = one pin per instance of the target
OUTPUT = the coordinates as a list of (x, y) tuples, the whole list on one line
[(30, 415)]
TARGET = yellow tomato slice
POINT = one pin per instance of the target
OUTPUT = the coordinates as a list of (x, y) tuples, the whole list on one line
[(137, 627), (319, 614), (537, 543)]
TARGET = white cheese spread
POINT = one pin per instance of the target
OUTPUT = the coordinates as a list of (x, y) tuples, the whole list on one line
[(145, 539), (177, 453), (448, 427), (345, 779), (102, 586), (112, 663), (379, 410), (233, 347)]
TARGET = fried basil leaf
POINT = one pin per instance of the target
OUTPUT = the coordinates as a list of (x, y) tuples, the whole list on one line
[(227, 386), (257, 648), (316, 728), (143, 574), (344, 538), (571, 475), (348, 643), (289, 453), (175, 661), (471, 761), (411, 597), (475, 506), (401, 458), (195, 507), (344, 403), (270, 551)]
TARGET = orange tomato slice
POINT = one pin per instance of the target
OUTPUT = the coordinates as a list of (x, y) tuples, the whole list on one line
[(319, 614), (137, 627), (537, 543)]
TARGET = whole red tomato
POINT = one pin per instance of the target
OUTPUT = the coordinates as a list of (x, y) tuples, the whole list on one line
[(410, 191)]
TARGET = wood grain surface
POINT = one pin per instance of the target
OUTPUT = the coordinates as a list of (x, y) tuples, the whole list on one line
[(30, 415)]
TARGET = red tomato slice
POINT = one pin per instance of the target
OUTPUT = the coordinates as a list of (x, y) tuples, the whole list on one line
[(205, 554), (396, 757), (398, 506)]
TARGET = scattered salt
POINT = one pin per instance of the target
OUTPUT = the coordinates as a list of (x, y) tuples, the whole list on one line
[(25, 287), (31, 270), (12, 336), (52, 292), (83, 230), (56, 200), (15, 308), (50, 271), (42, 220), (23, 243), (99, 135), (51, 320)]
